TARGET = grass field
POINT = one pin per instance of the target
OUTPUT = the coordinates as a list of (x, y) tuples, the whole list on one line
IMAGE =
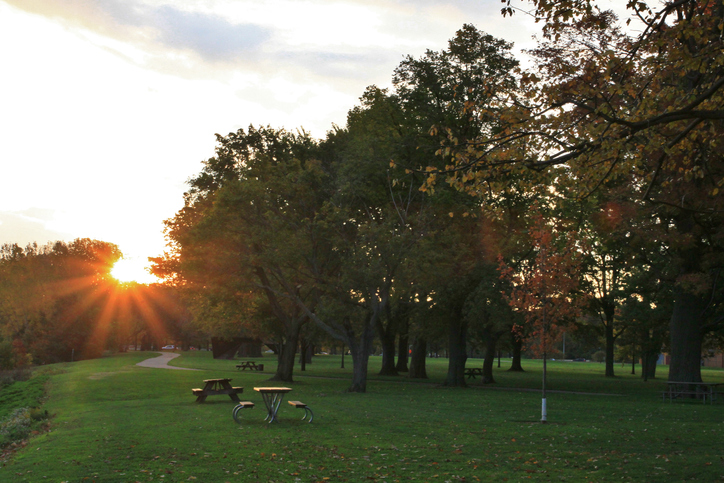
[(115, 421)]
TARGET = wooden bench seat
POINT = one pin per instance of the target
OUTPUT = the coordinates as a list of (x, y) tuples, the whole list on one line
[(307, 410)]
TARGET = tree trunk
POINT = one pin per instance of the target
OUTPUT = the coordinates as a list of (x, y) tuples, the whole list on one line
[(610, 343), (417, 361), (686, 337), (516, 366), (360, 351), (306, 351), (303, 354), (285, 368), (491, 342), (648, 364), (387, 338), (458, 355), (402, 351)]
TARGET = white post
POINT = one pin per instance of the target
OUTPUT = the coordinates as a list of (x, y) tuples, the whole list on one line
[(544, 412)]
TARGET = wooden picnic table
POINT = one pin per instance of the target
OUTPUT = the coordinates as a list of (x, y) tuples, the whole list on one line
[(272, 397), (694, 390), (474, 371), (217, 387), (244, 365)]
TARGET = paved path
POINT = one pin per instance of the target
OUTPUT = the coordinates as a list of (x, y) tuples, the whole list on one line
[(161, 362)]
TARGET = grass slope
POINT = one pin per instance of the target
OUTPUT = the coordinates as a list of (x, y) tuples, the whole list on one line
[(117, 422)]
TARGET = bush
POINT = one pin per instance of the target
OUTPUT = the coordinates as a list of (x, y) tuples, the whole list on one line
[(598, 356), (20, 423), (15, 427)]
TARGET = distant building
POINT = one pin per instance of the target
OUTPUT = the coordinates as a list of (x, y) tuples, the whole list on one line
[(713, 360)]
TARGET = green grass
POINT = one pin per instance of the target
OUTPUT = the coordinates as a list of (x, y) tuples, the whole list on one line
[(114, 421)]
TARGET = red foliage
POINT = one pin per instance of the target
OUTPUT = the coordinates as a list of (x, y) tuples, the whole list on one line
[(544, 286)]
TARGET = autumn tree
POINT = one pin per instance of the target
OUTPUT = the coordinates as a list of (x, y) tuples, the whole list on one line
[(542, 289), (640, 102), (56, 300)]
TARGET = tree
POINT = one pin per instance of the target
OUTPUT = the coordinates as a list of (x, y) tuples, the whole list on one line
[(249, 230), (542, 289), (610, 225), (643, 104), (435, 92), (58, 301)]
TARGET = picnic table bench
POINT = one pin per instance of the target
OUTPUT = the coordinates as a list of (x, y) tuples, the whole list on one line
[(474, 371), (307, 409), (692, 390), (250, 365), (217, 387)]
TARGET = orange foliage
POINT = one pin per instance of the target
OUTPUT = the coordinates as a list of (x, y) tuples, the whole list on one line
[(544, 287)]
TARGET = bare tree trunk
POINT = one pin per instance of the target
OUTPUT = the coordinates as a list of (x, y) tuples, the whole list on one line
[(648, 369), (402, 349), (285, 368), (686, 337), (517, 353), (610, 344), (417, 361), (387, 338), (491, 343), (457, 334), (303, 354), (360, 351)]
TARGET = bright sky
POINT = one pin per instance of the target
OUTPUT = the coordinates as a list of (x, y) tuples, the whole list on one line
[(107, 107)]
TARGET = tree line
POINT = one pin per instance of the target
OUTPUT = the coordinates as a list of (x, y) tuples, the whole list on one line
[(477, 200), (58, 303)]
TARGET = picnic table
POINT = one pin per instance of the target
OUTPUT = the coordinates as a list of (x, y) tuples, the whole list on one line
[(272, 397), (474, 371), (244, 365), (217, 387), (698, 390)]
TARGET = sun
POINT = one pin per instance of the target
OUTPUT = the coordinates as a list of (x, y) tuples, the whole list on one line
[(127, 270)]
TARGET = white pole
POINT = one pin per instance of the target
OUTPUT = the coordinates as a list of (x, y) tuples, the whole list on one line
[(544, 412)]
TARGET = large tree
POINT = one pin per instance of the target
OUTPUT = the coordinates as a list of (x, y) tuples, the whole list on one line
[(436, 92), (642, 102), (250, 230)]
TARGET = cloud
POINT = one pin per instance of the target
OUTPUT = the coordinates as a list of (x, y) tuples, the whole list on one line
[(356, 66), (210, 36)]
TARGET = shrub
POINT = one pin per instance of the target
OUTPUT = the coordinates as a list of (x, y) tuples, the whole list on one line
[(15, 427)]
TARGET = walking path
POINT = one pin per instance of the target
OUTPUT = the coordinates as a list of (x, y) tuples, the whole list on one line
[(161, 362)]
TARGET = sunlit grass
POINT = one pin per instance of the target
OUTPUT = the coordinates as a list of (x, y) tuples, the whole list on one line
[(115, 421)]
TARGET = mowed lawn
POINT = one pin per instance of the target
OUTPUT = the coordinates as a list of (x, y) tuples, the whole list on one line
[(115, 421)]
